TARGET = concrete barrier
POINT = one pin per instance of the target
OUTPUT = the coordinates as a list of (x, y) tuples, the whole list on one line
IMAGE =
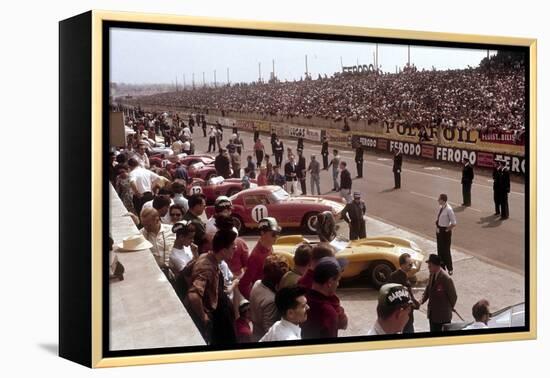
[(144, 312)]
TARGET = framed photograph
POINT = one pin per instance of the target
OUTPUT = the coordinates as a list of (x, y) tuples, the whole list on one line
[(259, 189)]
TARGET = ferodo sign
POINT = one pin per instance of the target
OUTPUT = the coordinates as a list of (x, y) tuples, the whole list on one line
[(411, 149), (363, 141), (455, 155), (516, 164)]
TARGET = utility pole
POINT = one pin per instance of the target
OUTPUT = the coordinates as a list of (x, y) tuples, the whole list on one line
[(341, 64), (376, 58), (193, 80), (259, 72), (215, 84), (176, 83), (184, 81), (203, 80), (273, 69), (307, 72), (227, 75)]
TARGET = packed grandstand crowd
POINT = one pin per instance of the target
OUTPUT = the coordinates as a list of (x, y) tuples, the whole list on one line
[(490, 97)]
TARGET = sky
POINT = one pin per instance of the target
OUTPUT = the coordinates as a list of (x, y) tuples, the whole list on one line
[(146, 57)]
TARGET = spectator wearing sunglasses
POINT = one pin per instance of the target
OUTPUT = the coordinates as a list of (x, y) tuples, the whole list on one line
[(176, 213)]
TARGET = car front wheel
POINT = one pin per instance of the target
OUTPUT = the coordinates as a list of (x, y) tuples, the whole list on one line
[(379, 273)]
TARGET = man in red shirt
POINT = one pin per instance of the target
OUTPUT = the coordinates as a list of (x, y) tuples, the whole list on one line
[(269, 232), (242, 324), (325, 316)]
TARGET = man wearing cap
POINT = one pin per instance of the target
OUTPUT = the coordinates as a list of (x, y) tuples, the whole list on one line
[(292, 304), (440, 294), (397, 164), (262, 296), (354, 215), (278, 150), (243, 330), (393, 310), (326, 316), (400, 276), (209, 306), (445, 222), (269, 232), (467, 179)]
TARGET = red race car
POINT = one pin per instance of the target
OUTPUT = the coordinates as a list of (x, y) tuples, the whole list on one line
[(192, 159), (251, 205), (217, 186)]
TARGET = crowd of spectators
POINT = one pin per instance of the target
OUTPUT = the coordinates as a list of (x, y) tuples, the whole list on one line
[(489, 98)]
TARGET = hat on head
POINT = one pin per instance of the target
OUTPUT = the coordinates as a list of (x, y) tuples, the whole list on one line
[(393, 296), (326, 268), (134, 243), (244, 303), (222, 202), (180, 226), (356, 194), (269, 223), (434, 259)]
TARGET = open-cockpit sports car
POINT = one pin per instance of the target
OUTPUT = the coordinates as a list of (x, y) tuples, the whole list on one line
[(374, 257), (251, 205)]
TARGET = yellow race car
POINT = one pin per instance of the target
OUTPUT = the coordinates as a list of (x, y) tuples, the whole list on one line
[(375, 257)]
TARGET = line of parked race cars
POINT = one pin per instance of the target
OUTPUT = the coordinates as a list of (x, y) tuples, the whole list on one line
[(374, 258)]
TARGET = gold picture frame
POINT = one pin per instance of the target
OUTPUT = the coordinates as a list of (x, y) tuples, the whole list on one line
[(90, 330)]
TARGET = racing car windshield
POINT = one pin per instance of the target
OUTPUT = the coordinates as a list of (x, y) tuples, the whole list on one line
[(280, 195)]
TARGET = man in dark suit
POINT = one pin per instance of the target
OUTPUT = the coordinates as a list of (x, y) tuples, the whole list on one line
[(353, 214), (223, 164), (324, 153), (467, 179), (440, 294), (279, 150), (496, 185), (291, 176), (504, 189), (397, 163), (359, 159), (400, 276), (302, 171)]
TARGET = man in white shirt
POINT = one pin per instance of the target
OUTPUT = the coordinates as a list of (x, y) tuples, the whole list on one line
[(158, 234), (141, 181), (394, 308), (291, 303), (141, 156), (445, 222), (481, 314)]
